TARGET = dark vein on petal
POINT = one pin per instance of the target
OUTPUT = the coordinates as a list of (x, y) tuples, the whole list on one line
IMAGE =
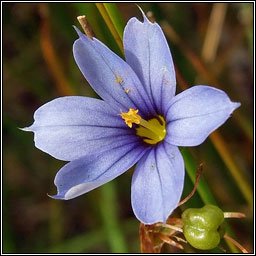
[(132, 136), (161, 95), (149, 108), (159, 176), (78, 125), (169, 160), (149, 73), (107, 93), (120, 84), (120, 158), (200, 115)]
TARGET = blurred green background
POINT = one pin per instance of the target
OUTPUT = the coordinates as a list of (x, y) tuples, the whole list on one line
[(211, 44)]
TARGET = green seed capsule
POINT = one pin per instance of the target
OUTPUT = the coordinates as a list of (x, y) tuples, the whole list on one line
[(204, 227)]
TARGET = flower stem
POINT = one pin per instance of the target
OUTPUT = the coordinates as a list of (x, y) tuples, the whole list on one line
[(108, 207), (243, 250), (110, 25)]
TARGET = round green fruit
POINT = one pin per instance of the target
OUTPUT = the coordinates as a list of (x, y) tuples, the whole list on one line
[(203, 227)]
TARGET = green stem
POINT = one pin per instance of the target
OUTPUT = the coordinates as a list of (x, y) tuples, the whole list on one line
[(110, 25), (108, 208), (116, 18), (202, 188)]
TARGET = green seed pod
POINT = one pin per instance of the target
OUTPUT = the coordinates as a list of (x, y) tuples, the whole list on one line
[(204, 227)]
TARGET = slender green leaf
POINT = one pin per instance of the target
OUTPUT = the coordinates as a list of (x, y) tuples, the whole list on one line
[(109, 210), (191, 168), (115, 17)]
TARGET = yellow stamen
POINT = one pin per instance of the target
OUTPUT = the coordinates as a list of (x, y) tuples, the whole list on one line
[(152, 131), (119, 80), (131, 117), (127, 90)]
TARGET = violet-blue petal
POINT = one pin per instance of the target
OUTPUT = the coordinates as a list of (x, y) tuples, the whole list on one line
[(148, 53), (157, 183), (90, 172), (110, 76), (71, 127), (195, 113)]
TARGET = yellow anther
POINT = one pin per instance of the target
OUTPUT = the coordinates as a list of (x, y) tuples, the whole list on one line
[(127, 90), (119, 80), (131, 117)]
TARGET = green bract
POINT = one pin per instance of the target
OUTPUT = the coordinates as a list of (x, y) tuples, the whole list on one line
[(204, 227)]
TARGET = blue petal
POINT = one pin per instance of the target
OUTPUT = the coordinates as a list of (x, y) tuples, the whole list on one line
[(147, 52), (71, 127), (110, 76), (87, 173), (157, 184), (195, 113)]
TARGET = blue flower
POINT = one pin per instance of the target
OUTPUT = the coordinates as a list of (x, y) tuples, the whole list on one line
[(139, 120)]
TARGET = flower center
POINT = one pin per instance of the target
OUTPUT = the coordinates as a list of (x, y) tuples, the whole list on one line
[(152, 131)]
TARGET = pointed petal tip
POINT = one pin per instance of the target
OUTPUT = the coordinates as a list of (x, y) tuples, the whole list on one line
[(236, 105), (58, 196), (78, 31), (80, 34), (26, 129), (145, 18)]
